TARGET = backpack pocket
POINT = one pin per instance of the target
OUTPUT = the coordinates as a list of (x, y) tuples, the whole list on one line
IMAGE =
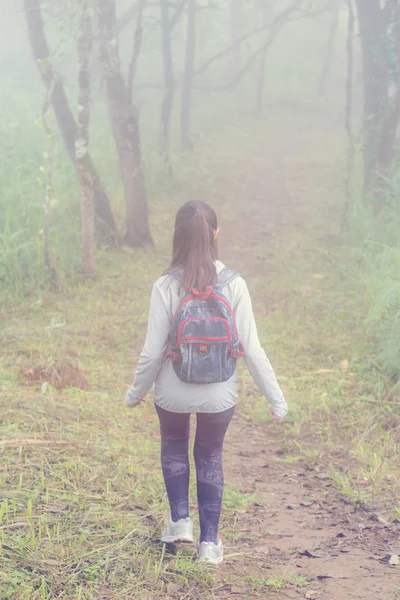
[(205, 349)]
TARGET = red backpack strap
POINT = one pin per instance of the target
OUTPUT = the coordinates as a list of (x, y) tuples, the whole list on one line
[(203, 295)]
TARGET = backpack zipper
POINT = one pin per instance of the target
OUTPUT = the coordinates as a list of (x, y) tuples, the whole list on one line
[(229, 337)]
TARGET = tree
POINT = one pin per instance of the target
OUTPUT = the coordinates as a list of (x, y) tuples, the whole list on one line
[(137, 44), (166, 29), (188, 75), (82, 138), (236, 14), (123, 117), (380, 42), (333, 31), (62, 111)]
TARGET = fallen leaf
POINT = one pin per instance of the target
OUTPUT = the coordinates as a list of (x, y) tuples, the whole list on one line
[(394, 560), (308, 554), (240, 589), (321, 372), (312, 595), (344, 365), (263, 549), (173, 588), (55, 508), (381, 519), (44, 387), (308, 501)]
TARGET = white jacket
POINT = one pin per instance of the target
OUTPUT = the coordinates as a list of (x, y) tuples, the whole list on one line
[(170, 393)]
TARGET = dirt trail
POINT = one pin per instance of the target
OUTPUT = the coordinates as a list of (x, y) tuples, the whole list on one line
[(302, 526)]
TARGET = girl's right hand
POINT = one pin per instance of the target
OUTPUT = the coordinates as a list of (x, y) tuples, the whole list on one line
[(276, 419)]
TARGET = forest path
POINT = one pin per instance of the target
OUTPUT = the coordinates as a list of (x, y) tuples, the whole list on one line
[(302, 539)]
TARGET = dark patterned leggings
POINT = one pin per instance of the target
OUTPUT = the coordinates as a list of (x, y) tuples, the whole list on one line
[(210, 434)]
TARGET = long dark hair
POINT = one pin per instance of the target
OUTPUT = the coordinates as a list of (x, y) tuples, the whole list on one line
[(194, 246)]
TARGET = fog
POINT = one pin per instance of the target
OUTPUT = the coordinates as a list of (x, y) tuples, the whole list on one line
[(201, 78), (283, 116)]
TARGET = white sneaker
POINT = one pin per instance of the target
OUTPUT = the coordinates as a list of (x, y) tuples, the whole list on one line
[(179, 532), (211, 553)]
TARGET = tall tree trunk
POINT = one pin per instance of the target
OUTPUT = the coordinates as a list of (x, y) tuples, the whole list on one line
[(166, 109), (137, 45), (333, 31), (236, 26), (349, 111), (373, 32), (62, 111), (82, 138), (261, 83), (388, 138), (49, 188), (188, 75), (124, 123)]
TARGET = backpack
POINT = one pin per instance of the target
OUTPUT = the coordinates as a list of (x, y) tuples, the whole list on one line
[(203, 342)]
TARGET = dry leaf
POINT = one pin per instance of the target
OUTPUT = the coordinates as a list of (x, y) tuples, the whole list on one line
[(344, 365), (381, 519), (173, 588), (394, 560), (55, 508), (307, 501), (44, 387), (321, 372), (240, 589), (263, 549)]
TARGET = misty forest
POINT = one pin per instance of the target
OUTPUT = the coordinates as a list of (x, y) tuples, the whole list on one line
[(283, 115)]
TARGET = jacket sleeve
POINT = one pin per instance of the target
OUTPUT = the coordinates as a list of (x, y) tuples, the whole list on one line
[(152, 355), (256, 360)]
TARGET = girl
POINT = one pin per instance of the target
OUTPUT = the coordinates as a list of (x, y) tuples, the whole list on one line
[(195, 265)]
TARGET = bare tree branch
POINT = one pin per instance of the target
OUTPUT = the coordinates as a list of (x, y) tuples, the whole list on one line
[(169, 83), (204, 67), (276, 21), (131, 12), (177, 14), (349, 110), (127, 17), (279, 22), (188, 74), (137, 44), (333, 30)]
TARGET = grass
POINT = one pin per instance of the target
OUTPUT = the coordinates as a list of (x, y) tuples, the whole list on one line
[(278, 582)]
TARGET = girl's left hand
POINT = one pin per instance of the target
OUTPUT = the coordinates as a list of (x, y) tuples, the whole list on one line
[(131, 401)]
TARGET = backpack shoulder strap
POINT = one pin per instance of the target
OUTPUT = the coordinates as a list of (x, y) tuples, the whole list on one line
[(225, 277)]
